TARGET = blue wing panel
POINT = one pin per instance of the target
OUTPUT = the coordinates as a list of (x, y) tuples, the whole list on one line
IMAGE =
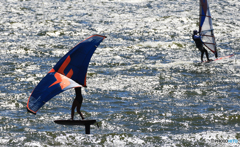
[(52, 84), (78, 58)]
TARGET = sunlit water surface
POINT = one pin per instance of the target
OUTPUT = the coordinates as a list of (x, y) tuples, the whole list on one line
[(146, 86)]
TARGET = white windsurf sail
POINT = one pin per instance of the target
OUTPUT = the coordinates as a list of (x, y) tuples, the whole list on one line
[(206, 27)]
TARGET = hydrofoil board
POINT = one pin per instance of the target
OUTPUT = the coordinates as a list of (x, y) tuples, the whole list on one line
[(75, 122)]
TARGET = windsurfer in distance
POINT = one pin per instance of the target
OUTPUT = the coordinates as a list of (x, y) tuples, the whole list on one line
[(77, 102), (199, 45)]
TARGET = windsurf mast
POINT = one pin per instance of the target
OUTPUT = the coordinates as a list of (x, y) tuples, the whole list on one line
[(206, 27)]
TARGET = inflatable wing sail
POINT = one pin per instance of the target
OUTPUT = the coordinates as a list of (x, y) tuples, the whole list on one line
[(69, 72), (206, 27)]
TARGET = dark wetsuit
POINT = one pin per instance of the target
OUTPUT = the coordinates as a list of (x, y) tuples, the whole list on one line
[(77, 103), (78, 92), (199, 45)]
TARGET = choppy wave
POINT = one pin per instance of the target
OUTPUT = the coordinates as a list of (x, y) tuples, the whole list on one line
[(146, 86)]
